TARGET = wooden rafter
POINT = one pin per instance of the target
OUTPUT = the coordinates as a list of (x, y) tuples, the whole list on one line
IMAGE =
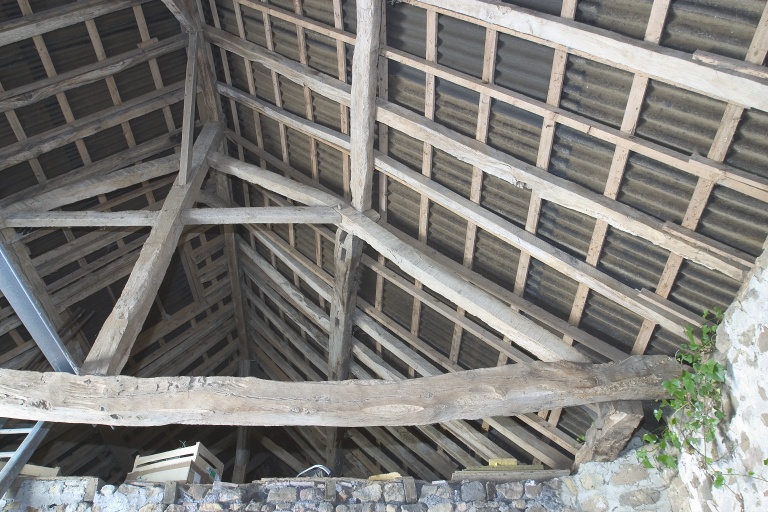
[(495, 162), (479, 303), (622, 52), (727, 176), (543, 251), (112, 347), (59, 17)]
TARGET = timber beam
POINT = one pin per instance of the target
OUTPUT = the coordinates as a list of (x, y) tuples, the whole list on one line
[(184, 13), (475, 301), (519, 238), (113, 345), (473, 394), (671, 66), (89, 125), (37, 91), (51, 19), (349, 247), (188, 217)]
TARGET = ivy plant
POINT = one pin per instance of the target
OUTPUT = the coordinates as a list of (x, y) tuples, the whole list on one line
[(694, 413)]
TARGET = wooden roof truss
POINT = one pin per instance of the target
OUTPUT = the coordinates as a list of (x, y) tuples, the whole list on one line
[(272, 257)]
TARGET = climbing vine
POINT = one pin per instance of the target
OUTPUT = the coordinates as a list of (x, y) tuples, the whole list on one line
[(694, 413)]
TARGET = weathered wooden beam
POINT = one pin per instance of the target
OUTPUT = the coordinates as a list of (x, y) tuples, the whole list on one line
[(349, 249), (89, 125), (610, 432), (85, 218), (523, 332), (192, 216), (262, 215), (184, 13), (727, 176), (113, 345), (108, 165), (36, 91), (190, 102), (363, 101), (59, 17), (299, 192), (501, 391), (510, 169), (93, 186), (664, 64)]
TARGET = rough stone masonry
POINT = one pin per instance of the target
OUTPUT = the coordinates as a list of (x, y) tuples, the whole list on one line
[(620, 486)]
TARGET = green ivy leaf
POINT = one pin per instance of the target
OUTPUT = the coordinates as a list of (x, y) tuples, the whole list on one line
[(650, 438), (668, 461), (719, 480)]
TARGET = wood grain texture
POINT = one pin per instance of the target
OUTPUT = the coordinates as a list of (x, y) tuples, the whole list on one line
[(363, 109), (500, 391), (349, 249)]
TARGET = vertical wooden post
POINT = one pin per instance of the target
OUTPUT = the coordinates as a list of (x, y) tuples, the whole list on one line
[(349, 248)]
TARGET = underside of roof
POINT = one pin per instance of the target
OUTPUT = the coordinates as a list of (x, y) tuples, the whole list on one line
[(600, 171)]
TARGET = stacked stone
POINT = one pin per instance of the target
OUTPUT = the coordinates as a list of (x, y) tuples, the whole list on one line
[(299, 495), (623, 485)]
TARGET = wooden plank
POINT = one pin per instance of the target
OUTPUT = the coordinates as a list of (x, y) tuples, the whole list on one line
[(670, 66), (112, 347), (59, 17), (262, 215), (656, 20), (305, 194), (93, 186), (85, 218)]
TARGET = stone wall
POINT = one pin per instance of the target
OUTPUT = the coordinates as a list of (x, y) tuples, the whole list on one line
[(742, 341), (620, 486)]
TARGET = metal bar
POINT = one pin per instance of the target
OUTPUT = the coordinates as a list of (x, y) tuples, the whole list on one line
[(15, 288), (21, 456), (12, 431)]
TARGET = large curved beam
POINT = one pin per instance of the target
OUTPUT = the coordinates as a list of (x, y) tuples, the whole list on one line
[(500, 391)]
